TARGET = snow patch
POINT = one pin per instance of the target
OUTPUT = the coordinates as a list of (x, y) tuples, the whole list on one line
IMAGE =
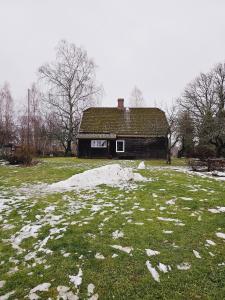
[(210, 242), (141, 166), (184, 266), (124, 249), (153, 271), (220, 235), (217, 210), (6, 296), (76, 279), (117, 234), (99, 256), (196, 254), (112, 175), (151, 252), (39, 288)]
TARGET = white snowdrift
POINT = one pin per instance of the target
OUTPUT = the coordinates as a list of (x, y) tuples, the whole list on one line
[(112, 175), (141, 166)]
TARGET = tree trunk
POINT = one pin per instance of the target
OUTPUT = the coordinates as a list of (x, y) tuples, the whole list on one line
[(68, 150)]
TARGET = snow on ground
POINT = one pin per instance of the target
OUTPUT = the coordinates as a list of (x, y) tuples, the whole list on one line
[(112, 175), (196, 254), (184, 266), (217, 210), (141, 166), (55, 223), (153, 271), (39, 288), (76, 279), (220, 235), (124, 249), (117, 234), (151, 252)]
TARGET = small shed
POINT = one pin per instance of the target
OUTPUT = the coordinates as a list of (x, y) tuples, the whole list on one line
[(122, 132)]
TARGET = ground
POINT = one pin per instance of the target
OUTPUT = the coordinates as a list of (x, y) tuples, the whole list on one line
[(157, 239)]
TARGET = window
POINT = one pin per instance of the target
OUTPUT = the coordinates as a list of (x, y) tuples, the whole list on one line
[(99, 144), (120, 146)]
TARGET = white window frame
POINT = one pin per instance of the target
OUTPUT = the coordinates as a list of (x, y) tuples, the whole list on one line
[(120, 141), (94, 143)]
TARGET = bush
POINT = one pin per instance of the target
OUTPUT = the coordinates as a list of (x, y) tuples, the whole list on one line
[(22, 155), (204, 151)]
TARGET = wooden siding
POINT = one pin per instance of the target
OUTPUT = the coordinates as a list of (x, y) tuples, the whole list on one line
[(135, 148)]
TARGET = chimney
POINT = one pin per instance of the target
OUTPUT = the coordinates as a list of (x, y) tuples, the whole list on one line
[(120, 103)]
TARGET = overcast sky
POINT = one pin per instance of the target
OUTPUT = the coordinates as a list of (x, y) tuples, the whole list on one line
[(158, 45)]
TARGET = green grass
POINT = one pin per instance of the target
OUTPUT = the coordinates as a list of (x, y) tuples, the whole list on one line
[(84, 234)]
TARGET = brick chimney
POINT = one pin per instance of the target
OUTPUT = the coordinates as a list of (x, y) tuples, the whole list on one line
[(120, 104)]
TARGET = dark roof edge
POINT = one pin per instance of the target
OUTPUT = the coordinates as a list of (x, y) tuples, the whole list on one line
[(114, 107)]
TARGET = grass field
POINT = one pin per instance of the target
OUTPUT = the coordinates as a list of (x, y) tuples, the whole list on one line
[(92, 244)]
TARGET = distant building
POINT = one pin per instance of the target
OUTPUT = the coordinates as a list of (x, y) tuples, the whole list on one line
[(120, 132)]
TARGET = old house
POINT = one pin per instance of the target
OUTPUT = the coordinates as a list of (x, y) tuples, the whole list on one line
[(120, 132)]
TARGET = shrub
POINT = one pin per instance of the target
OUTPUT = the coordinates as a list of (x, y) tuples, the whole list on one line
[(22, 155), (203, 152)]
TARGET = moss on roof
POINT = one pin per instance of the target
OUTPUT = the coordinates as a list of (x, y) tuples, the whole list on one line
[(122, 122)]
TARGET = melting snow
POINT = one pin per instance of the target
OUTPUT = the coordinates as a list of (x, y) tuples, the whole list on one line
[(164, 268), (141, 166), (153, 271), (171, 202), (124, 249), (99, 256), (90, 289), (117, 234), (65, 293), (77, 279), (6, 296), (217, 210), (184, 266), (186, 198), (112, 175), (211, 243), (220, 235), (39, 288), (196, 254), (150, 252)]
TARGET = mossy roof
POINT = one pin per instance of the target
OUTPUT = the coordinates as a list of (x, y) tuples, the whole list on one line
[(124, 122)]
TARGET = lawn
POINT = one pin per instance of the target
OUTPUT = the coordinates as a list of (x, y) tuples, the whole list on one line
[(92, 244)]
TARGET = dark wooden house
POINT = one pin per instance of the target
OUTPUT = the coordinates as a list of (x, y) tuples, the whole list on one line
[(122, 132)]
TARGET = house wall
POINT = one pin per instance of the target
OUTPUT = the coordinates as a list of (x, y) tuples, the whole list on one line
[(135, 148)]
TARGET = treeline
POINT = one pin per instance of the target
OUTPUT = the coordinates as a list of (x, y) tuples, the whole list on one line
[(49, 121)]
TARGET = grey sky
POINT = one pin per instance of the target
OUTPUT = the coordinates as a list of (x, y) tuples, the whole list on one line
[(157, 45)]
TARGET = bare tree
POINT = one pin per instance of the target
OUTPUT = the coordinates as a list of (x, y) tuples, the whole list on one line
[(219, 81), (136, 98), (173, 133), (199, 96), (71, 88), (204, 98), (7, 132)]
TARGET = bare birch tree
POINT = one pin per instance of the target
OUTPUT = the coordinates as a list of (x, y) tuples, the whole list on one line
[(173, 132), (71, 88), (6, 116), (136, 98)]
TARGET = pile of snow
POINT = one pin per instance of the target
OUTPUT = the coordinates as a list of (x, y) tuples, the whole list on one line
[(112, 175), (141, 166)]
